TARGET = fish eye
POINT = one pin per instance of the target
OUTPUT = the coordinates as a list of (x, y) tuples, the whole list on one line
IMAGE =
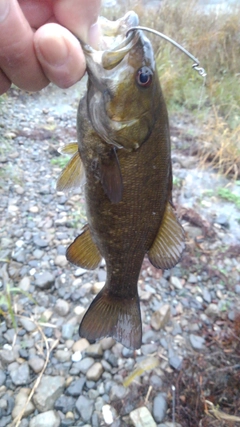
[(144, 77)]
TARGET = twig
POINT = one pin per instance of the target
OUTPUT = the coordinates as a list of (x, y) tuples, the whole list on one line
[(18, 419)]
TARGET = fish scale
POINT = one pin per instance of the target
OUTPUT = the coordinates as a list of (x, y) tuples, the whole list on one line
[(124, 150)]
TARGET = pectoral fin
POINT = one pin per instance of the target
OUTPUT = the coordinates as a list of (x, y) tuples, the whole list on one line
[(109, 316), (169, 244), (111, 177), (72, 175), (83, 252)]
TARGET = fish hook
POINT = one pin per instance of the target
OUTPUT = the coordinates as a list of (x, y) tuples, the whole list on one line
[(195, 66)]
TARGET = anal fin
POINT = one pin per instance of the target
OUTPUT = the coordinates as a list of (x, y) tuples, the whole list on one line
[(83, 252), (110, 316), (168, 245)]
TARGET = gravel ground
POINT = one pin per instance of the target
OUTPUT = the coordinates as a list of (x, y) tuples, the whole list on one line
[(191, 314)]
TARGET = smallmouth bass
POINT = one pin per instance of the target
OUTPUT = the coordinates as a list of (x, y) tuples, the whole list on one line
[(124, 152)]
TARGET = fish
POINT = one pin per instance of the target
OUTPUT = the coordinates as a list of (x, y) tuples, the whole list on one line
[(123, 155)]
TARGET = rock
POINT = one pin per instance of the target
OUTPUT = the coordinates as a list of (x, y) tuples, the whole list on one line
[(109, 414), (175, 362), (192, 278), (237, 289), (48, 391), (62, 307), (107, 343), (63, 355), (84, 407), (176, 282), (20, 402), (159, 407), (67, 331), (156, 382), (49, 419), (65, 404), (80, 345), (36, 364), (206, 295), (117, 392), (20, 375), (77, 356), (8, 356), (212, 311), (97, 287), (85, 364), (61, 261), (25, 284), (2, 377), (27, 324), (5, 421), (141, 417), (6, 405), (40, 242), (44, 280), (198, 343), (95, 372), (75, 389), (94, 350), (161, 317)]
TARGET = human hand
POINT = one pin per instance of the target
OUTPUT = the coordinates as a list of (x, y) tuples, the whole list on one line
[(36, 45)]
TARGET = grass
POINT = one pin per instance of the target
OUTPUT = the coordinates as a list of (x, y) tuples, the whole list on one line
[(214, 39), (61, 161)]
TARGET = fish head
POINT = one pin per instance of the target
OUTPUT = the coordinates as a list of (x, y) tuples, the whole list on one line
[(123, 86)]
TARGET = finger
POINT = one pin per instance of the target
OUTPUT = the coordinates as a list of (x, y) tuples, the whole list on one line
[(17, 56), (80, 17), (60, 55), (37, 12)]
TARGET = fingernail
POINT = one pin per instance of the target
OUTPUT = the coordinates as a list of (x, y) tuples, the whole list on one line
[(94, 35), (56, 53), (4, 9)]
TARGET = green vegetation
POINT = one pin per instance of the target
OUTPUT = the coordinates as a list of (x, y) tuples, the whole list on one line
[(6, 299), (226, 194), (61, 161)]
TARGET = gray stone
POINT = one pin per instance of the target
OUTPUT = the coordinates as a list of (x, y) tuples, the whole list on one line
[(161, 317), (65, 404), (75, 388), (44, 280), (20, 375), (141, 417), (159, 407), (8, 356), (118, 392), (207, 295), (156, 382), (67, 331), (5, 421), (212, 311), (175, 362), (47, 419), (36, 364), (41, 243), (176, 282), (2, 377), (48, 391), (84, 407), (85, 364), (61, 261), (94, 372), (63, 355), (20, 402), (62, 307), (25, 284), (94, 350), (198, 343), (192, 278), (27, 324)]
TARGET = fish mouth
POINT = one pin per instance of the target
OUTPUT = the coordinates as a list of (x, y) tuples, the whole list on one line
[(112, 56)]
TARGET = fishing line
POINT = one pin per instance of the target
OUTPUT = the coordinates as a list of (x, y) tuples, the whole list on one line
[(195, 66)]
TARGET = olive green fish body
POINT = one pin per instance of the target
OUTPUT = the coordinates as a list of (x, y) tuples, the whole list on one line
[(124, 146)]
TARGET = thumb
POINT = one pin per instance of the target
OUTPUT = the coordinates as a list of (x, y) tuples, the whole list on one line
[(80, 17)]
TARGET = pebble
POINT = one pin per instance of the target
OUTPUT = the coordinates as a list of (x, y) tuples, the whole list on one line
[(2, 377), (63, 355), (97, 287), (20, 401), (67, 331), (109, 414), (198, 343), (25, 284), (20, 375), (94, 372), (141, 417), (94, 350), (84, 365), (27, 324), (75, 388), (80, 345), (36, 364), (60, 261), (159, 407), (44, 280), (176, 282), (62, 307), (161, 317), (48, 391), (8, 356), (46, 419), (212, 311), (85, 407)]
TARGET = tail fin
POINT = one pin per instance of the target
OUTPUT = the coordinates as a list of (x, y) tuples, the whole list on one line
[(111, 316)]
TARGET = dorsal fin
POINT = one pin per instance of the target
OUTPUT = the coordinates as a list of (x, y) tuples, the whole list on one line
[(111, 177), (168, 245), (83, 252)]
